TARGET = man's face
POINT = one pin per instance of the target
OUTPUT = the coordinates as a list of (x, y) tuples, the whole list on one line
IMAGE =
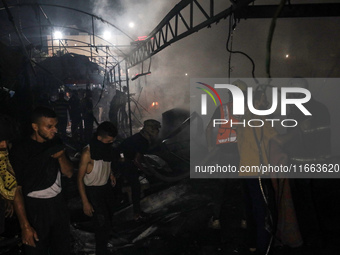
[(153, 131), (106, 139), (45, 129), (3, 145)]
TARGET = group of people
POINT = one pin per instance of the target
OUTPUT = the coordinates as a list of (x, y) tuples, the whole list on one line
[(36, 166), (273, 207), (30, 176), (79, 110)]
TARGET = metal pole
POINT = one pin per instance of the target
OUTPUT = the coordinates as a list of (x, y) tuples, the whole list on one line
[(128, 95), (119, 77), (93, 42), (114, 77), (91, 49), (52, 41), (40, 30)]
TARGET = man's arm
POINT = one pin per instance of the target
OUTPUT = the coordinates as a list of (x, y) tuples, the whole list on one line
[(113, 179), (28, 234), (139, 158), (66, 166), (84, 161)]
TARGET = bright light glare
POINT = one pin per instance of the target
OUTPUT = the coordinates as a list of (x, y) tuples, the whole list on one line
[(58, 35), (186, 74), (287, 56), (107, 35), (131, 25)]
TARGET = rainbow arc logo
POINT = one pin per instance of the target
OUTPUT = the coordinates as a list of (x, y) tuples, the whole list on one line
[(204, 98)]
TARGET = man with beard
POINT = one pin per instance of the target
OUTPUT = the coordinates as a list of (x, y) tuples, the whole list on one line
[(38, 163), (95, 182), (133, 149)]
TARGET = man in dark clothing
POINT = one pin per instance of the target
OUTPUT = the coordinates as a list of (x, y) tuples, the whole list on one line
[(133, 149), (117, 113), (38, 163), (311, 146), (75, 115), (87, 113), (61, 107)]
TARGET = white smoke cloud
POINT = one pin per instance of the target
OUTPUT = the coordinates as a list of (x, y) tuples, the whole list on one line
[(145, 14)]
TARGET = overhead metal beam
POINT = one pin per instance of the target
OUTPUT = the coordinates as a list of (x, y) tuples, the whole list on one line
[(72, 9), (167, 32), (289, 11), (176, 26)]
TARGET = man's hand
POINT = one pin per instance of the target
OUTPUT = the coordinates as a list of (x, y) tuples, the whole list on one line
[(88, 209), (29, 236), (113, 180)]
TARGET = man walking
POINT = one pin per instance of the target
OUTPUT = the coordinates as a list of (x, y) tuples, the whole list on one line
[(38, 163), (95, 181)]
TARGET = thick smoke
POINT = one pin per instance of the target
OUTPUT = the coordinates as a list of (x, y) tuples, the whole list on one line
[(145, 15), (311, 44)]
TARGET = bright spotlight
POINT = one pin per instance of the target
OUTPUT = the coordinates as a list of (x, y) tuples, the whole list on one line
[(287, 55), (131, 25), (107, 35), (58, 35)]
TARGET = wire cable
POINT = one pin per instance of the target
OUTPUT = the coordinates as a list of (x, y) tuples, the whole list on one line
[(270, 36), (230, 53), (259, 146), (231, 27)]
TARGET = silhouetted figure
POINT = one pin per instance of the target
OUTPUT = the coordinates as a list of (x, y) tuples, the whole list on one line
[(75, 115), (311, 146), (227, 190), (133, 149), (61, 108), (117, 113), (87, 114)]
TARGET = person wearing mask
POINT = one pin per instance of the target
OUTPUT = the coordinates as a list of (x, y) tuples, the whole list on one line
[(95, 182)]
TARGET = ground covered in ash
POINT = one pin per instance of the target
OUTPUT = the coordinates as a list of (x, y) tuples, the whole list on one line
[(178, 222)]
